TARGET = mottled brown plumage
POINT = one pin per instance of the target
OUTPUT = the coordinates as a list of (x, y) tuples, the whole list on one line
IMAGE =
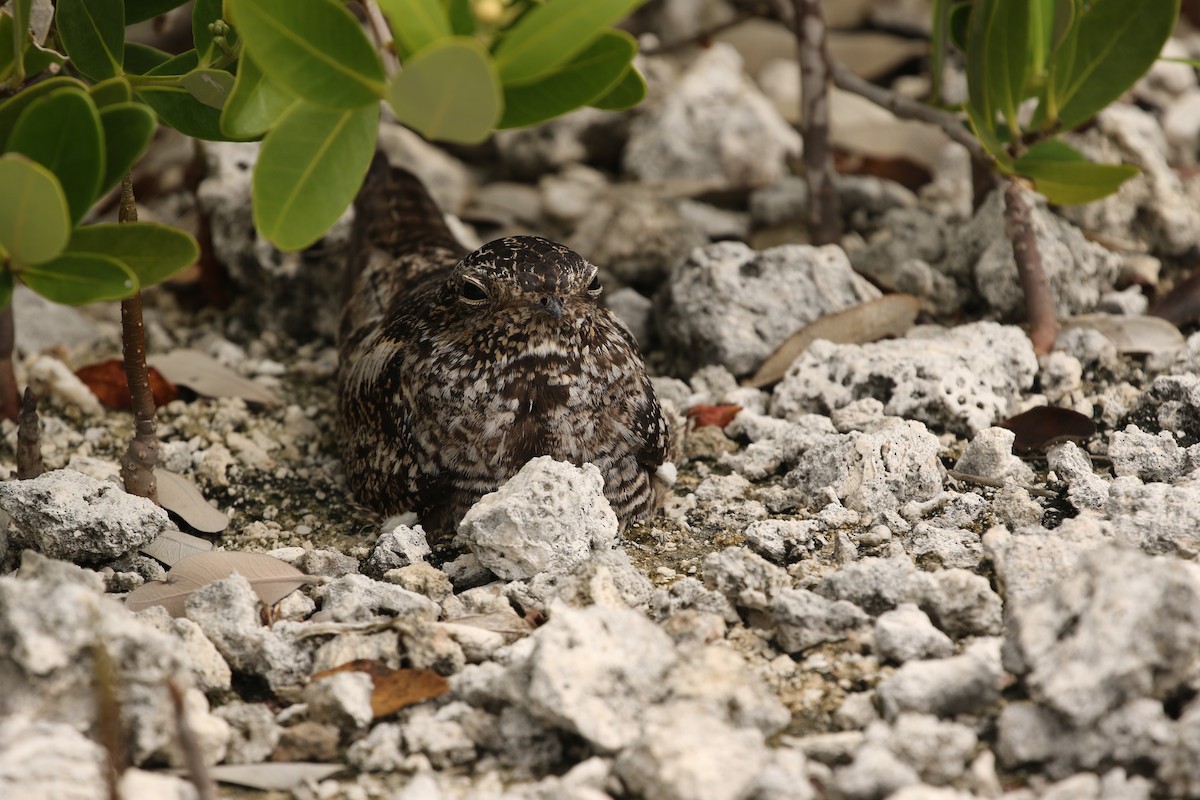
[(456, 369)]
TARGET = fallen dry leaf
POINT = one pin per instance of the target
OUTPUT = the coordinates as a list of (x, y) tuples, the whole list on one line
[(278, 776), (395, 689), (207, 376), (107, 381), (171, 547), (270, 578), (1181, 305), (890, 315), (720, 415), (180, 496), (1141, 334), (1038, 428)]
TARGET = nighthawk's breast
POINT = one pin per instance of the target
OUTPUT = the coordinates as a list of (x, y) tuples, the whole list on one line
[(456, 369)]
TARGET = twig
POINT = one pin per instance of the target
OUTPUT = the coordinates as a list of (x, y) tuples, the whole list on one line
[(705, 36), (824, 218), (10, 398), (108, 715), (29, 438), (383, 36), (193, 756), (1039, 300), (905, 108), (994, 483), (137, 464)]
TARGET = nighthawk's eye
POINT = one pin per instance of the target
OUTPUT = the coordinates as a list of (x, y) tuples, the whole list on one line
[(472, 291), (594, 287)]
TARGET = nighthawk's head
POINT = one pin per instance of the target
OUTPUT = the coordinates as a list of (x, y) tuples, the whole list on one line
[(527, 277)]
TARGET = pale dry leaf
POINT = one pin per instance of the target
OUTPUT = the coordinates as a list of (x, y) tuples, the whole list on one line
[(180, 496), (208, 377), (508, 625), (171, 547), (890, 315), (873, 54), (393, 689), (270, 578), (278, 776), (1141, 334)]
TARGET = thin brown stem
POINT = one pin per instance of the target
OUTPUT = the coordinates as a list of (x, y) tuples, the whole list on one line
[(906, 108), (383, 35), (10, 398), (137, 464), (1039, 300), (108, 716), (824, 217), (192, 754), (29, 438)]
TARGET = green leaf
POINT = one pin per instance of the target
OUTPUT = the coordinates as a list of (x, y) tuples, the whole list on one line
[(311, 165), (1116, 41), (34, 221), (110, 92), (11, 109), (78, 278), (254, 104), (628, 92), (416, 24), (18, 38), (10, 46), (175, 105), (62, 133), (588, 76), (997, 59), (1065, 177), (959, 24), (38, 59), (552, 33), (462, 18), (448, 91), (93, 33), (151, 251), (138, 10), (141, 58), (1041, 33), (128, 129), (314, 49), (209, 86)]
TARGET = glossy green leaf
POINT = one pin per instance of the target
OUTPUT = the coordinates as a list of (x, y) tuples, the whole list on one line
[(628, 92), (209, 86), (17, 40), (6, 289), (309, 169), (959, 24), (38, 59), (153, 252), (175, 105), (254, 104), (34, 220), (1042, 14), (588, 76), (416, 23), (141, 58), (1116, 41), (78, 278), (997, 58), (10, 46), (462, 18), (314, 49), (204, 14), (12, 108), (1065, 177), (987, 135), (93, 33), (62, 133), (128, 129), (138, 10), (111, 92), (550, 34), (448, 91)]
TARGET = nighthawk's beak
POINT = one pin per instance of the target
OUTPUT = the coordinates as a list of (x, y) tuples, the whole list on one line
[(553, 306)]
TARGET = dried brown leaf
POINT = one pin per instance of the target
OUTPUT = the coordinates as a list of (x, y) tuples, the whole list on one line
[(271, 579), (107, 381), (1038, 428), (1131, 334), (179, 495), (171, 547), (277, 776), (719, 415), (395, 689), (208, 377), (890, 315), (1181, 305)]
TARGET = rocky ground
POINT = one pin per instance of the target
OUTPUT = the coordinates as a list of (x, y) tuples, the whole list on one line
[(822, 609)]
